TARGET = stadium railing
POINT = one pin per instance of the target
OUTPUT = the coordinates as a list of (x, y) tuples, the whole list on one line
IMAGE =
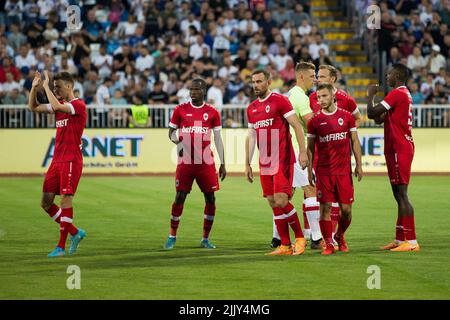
[(233, 116)]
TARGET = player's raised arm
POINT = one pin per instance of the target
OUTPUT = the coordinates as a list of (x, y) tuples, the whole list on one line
[(356, 146), (377, 111), (33, 105), (250, 143), (295, 123), (55, 104)]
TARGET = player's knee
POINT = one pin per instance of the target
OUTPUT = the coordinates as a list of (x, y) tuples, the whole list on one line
[(281, 202), (210, 198), (325, 211), (346, 212), (66, 201), (180, 197), (45, 204)]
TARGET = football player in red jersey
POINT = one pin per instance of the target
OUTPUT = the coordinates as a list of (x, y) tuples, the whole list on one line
[(327, 74), (269, 117), (396, 113), (64, 173), (195, 120), (332, 129)]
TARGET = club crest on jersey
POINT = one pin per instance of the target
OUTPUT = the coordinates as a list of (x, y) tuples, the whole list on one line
[(177, 183), (267, 109), (205, 116), (341, 121)]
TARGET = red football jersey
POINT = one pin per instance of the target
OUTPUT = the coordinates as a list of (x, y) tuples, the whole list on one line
[(69, 130), (342, 99), (195, 125), (398, 121), (268, 118), (332, 132)]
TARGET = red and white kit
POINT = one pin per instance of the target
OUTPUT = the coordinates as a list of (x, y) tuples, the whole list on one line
[(333, 173), (276, 154), (398, 140), (197, 162), (64, 173)]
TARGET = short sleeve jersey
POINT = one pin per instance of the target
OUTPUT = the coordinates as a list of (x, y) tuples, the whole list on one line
[(332, 133), (69, 130), (398, 122), (268, 118), (195, 124), (300, 103)]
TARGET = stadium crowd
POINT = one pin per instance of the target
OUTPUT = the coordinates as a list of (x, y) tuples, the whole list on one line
[(145, 51)]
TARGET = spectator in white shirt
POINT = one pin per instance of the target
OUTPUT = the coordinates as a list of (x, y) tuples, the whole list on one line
[(196, 50), (183, 94), (436, 61), (190, 21), (304, 29), (103, 62), (51, 34), (416, 61), (128, 28), (248, 26), (215, 94), (281, 59), (240, 98), (25, 58), (227, 69), (145, 61), (10, 84), (316, 46)]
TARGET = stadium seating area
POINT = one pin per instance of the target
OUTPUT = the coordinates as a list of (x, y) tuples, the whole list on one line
[(145, 51)]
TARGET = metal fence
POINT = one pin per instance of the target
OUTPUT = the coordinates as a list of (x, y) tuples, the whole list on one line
[(233, 116)]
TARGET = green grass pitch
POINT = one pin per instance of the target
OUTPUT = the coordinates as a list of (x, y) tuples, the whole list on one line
[(127, 221)]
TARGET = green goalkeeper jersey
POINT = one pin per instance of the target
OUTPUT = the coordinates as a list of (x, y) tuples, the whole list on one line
[(300, 102)]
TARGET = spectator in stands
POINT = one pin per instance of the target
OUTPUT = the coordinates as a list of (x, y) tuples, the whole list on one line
[(240, 99), (323, 59), (248, 27), (79, 48), (14, 96), (138, 114), (103, 62), (416, 61), (227, 70), (299, 14), (90, 86), (305, 28), (145, 60), (288, 73), (8, 67), (196, 49), (417, 96), (183, 95), (16, 39), (157, 95), (316, 45), (436, 61), (102, 99), (117, 117), (9, 85), (214, 94)]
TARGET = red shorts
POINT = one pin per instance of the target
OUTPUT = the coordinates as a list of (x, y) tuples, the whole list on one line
[(281, 182), (335, 188), (399, 167), (62, 177), (205, 175)]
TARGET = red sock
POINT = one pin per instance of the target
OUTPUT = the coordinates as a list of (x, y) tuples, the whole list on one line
[(325, 228), (54, 212), (177, 210), (334, 218), (210, 212), (343, 225), (292, 219), (305, 217), (399, 229), (409, 227), (282, 226), (65, 226)]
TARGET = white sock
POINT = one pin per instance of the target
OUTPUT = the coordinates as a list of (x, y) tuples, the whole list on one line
[(307, 234), (413, 241), (275, 230), (313, 217)]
